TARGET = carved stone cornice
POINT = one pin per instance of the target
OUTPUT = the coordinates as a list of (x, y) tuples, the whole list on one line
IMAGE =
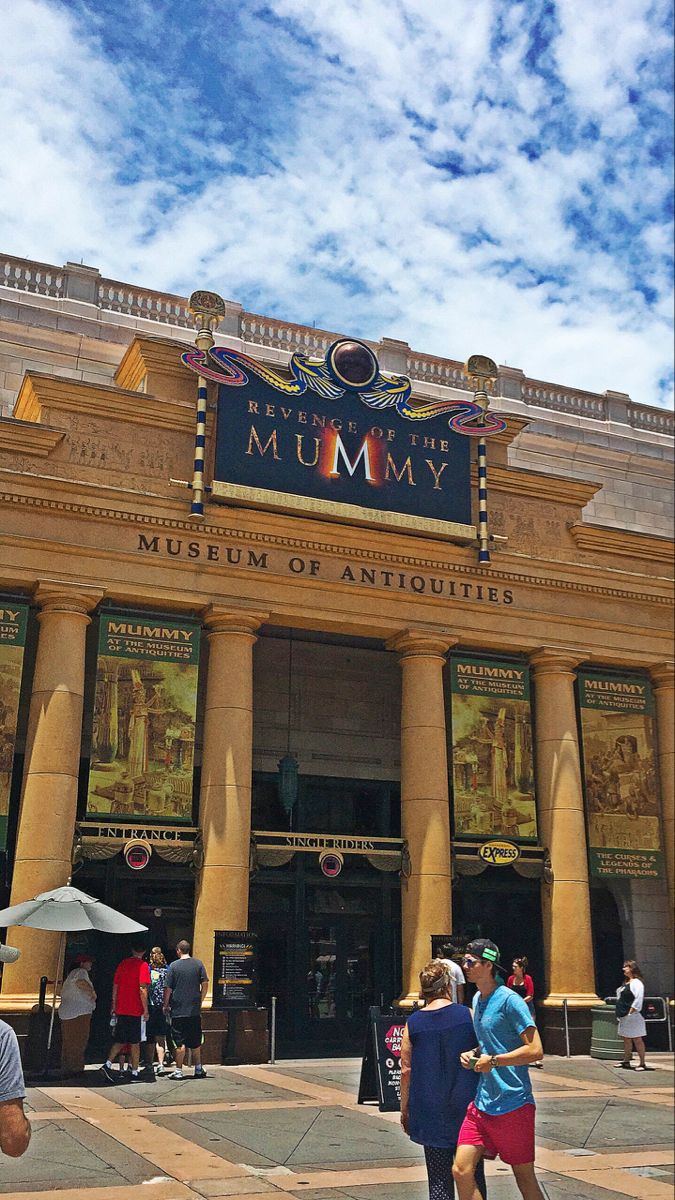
[(622, 543), (422, 643), (663, 676), (217, 619), (555, 488), (102, 401), (514, 573), (557, 660), (26, 437)]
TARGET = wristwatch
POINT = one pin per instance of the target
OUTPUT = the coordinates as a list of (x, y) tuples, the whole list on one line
[(493, 1062)]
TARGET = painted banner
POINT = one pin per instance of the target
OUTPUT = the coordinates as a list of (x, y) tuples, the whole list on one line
[(492, 770), (621, 775), (142, 753), (13, 623)]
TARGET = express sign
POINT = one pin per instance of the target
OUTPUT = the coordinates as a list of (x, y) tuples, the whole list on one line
[(499, 854), (341, 438)]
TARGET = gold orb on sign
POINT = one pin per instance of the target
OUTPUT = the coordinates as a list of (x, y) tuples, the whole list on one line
[(481, 367), (206, 304)]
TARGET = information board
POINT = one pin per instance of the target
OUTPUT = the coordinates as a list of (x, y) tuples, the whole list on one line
[(381, 1066), (234, 969)]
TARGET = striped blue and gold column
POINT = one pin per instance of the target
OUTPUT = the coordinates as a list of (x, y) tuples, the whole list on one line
[(482, 374), (208, 310)]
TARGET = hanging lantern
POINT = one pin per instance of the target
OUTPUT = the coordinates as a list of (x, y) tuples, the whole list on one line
[(288, 781)]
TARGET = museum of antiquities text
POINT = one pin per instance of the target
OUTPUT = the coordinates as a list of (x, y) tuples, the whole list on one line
[(256, 678)]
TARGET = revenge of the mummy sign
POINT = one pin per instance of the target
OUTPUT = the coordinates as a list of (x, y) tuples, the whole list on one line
[(337, 437)]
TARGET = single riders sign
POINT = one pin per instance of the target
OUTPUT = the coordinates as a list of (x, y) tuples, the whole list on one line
[(339, 438)]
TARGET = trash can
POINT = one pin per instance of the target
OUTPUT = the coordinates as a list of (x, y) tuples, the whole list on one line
[(605, 1041)]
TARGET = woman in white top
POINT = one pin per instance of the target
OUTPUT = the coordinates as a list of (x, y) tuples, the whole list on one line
[(78, 1001), (632, 1027)]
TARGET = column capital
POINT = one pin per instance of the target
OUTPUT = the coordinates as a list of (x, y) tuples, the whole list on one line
[(426, 643), (663, 675), (53, 596), (557, 660), (219, 619)]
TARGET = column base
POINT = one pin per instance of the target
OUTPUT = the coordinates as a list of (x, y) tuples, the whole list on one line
[(410, 1001), (551, 1023), (21, 1002), (574, 1000)]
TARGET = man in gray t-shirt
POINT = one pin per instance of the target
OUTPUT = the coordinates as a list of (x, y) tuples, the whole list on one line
[(14, 1126), (185, 986)]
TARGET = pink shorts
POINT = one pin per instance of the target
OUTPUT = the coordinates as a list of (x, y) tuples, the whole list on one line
[(511, 1135)]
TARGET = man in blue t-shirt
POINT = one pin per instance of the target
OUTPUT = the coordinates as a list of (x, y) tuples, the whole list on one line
[(500, 1121)]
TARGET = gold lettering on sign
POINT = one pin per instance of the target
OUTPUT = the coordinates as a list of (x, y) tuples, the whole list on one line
[(406, 469), (299, 439), (253, 439)]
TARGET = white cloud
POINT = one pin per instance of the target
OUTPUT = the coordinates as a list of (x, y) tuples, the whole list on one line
[(410, 173)]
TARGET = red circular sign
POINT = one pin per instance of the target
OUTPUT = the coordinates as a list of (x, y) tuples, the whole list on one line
[(331, 864), (137, 856)]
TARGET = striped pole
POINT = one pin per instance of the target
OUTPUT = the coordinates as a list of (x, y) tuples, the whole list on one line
[(207, 308), (481, 398), (204, 342), (482, 372)]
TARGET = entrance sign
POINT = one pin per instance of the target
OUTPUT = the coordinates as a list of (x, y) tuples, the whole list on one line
[(620, 775), (493, 778), (338, 437), (381, 1065), (145, 708), (13, 623), (499, 854), (234, 969)]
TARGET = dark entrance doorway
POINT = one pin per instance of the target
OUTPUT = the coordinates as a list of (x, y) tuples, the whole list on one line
[(607, 940), (160, 896), (328, 950), (502, 905)]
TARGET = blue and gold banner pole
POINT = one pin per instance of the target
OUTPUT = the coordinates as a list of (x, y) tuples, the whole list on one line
[(482, 373), (208, 310)]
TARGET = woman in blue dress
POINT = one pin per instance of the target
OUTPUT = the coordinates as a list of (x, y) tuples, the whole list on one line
[(435, 1091)]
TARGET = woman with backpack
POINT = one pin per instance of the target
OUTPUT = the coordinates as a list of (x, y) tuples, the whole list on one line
[(632, 1028)]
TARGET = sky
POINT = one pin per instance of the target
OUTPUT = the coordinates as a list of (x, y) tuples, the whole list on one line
[(469, 176)]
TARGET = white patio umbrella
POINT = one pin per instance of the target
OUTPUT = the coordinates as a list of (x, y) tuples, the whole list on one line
[(66, 910)]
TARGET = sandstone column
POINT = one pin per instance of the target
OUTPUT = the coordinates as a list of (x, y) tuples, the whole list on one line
[(663, 677), (568, 938), (225, 798), (49, 796), (426, 896)]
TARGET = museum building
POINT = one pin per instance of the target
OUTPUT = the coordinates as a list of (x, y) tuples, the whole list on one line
[(332, 646)]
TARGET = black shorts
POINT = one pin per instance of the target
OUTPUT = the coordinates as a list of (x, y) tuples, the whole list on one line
[(156, 1025), (186, 1031), (128, 1029)]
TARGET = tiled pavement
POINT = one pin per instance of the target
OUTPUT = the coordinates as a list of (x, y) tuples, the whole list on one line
[(252, 1133)]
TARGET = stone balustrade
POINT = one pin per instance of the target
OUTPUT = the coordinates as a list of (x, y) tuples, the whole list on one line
[(85, 284)]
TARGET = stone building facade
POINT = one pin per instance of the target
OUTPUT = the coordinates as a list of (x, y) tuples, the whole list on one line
[(326, 638)]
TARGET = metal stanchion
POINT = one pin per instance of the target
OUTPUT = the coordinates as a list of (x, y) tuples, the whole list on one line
[(668, 1022), (273, 1032), (567, 1030)]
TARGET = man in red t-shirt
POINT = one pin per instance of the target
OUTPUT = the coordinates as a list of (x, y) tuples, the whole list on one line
[(130, 1006)]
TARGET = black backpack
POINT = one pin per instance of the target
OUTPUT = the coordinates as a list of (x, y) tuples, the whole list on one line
[(624, 1002)]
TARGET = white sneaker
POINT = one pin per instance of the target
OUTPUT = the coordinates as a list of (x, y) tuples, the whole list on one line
[(176, 1075)]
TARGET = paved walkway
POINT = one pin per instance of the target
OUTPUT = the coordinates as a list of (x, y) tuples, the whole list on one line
[(252, 1133)]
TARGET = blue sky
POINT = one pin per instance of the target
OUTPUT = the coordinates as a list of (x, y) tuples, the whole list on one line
[(469, 176)]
